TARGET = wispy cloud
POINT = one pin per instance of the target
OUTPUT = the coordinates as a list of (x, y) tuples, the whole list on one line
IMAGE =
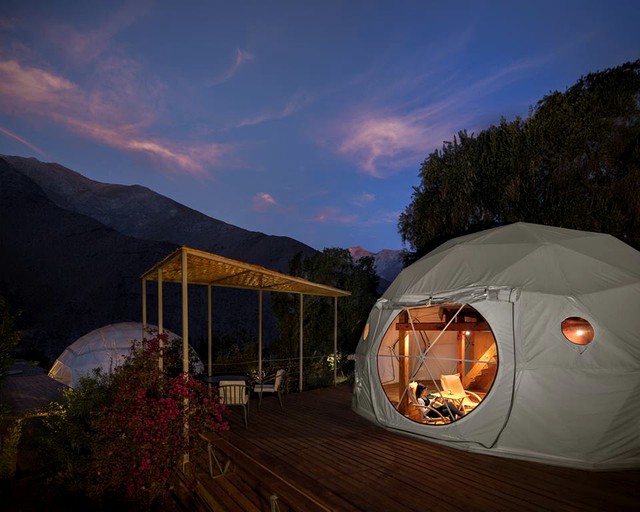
[(381, 140), (363, 199), (378, 143), (31, 86), (263, 201), (192, 159), (22, 141), (242, 57), (85, 46), (294, 104), (332, 215), (7, 23), (118, 118), (390, 217)]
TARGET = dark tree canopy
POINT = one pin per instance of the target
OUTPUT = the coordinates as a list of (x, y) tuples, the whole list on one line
[(334, 267), (9, 336), (573, 163)]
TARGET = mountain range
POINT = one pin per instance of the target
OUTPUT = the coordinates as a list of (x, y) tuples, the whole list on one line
[(388, 263), (72, 251)]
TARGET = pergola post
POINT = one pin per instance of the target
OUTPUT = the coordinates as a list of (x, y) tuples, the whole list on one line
[(185, 314), (335, 341), (185, 345), (144, 307), (260, 334), (209, 333), (301, 340), (160, 318), (215, 270)]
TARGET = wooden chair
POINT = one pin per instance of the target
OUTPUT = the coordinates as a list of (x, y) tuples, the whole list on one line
[(419, 412), (273, 385), (233, 393), (464, 399)]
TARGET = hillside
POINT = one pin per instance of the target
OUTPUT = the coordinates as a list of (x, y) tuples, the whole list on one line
[(72, 251)]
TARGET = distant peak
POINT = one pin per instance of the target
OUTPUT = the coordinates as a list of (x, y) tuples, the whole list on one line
[(359, 252)]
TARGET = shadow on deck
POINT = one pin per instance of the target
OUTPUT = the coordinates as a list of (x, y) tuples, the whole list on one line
[(318, 454)]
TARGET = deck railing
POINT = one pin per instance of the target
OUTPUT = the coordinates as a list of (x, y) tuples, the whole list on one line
[(317, 371)]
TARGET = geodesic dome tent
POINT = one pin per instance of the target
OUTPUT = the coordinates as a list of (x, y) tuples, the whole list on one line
[(549, 316), (103, 348)]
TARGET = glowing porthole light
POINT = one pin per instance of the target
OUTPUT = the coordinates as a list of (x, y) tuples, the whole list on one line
[(577, 330), (365, 333)]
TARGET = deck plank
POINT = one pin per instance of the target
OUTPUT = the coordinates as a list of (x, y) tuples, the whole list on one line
[(320, 446)]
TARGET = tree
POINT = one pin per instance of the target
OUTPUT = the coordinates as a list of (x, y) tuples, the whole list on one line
[(333, 267), (9, 336), (574, 162)]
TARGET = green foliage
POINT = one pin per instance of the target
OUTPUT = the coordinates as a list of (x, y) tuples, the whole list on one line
[(574, 162), (237, 358), (72, 428), (334, 267), (123, 434), (9, 450), (9, 336)]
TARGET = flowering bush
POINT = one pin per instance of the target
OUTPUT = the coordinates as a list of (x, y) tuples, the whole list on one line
[(149, 422)]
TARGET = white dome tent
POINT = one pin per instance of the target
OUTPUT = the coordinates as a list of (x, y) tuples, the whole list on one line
[(103, 348), (558, 313)]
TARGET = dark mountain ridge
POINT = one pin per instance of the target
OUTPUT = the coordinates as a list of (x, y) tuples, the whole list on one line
[(72, 251), (139, 212)]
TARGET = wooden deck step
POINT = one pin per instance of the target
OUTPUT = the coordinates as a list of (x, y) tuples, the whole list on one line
[(255, 480)]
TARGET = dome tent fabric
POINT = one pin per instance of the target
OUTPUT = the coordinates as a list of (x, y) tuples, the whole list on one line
[(552, 401), (103, 348)]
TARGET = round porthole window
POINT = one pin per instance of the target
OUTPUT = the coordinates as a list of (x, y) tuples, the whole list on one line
[(365, 333), (436, 364), (577, 330)]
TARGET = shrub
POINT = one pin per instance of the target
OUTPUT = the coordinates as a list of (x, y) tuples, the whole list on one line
[(126, 432), (9, 336), (9, 450)]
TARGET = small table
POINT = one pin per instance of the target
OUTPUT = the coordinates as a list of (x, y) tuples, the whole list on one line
[(456, 398)]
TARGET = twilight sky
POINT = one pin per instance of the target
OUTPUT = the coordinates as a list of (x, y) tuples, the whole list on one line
[(308, 118)]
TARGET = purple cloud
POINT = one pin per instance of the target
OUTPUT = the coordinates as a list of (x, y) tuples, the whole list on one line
[(23, 141), (241, 58), (118, 119), (332, 215), (262, 201)]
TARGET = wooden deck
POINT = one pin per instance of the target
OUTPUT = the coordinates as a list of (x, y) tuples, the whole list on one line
[(318, 454)]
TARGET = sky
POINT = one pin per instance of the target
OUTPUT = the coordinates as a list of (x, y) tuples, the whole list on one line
[(307, 119)]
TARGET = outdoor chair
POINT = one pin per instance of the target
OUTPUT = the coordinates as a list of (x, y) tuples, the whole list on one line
[(419, 412), (465, 399), (270, 385), (233, 393)]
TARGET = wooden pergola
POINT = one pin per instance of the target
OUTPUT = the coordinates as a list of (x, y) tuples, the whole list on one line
[(187, 266)]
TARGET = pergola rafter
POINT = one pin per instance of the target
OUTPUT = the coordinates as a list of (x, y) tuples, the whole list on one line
[(187, 266)]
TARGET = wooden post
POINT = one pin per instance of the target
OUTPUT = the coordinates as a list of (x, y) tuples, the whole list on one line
[(335, 341), (160, 318), (144, 308), (460, 366), (260, 334), (185, 314), (209, 333), (403, 370), (185, 346), (301, 341)]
